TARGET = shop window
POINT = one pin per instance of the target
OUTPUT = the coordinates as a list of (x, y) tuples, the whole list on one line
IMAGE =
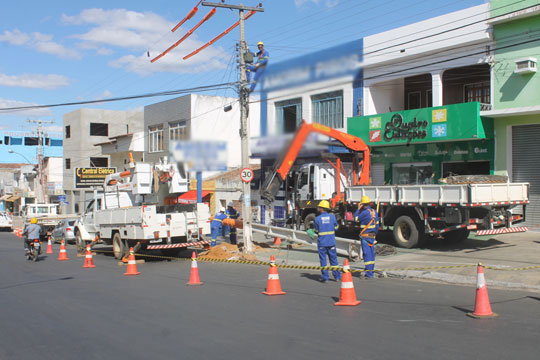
[(429, 98), (412, 173), (31, 141), (6, 140), (99, 162), (288, 115), (99, 129), (327, 109), (155, 139), (16, 141)]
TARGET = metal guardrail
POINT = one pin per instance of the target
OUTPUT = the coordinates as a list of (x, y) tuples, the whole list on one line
[(343, 246)]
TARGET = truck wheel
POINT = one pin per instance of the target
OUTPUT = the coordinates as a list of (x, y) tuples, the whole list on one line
[(457, 235), (80, 243), (118, 246), (406, 233), (308, 221)]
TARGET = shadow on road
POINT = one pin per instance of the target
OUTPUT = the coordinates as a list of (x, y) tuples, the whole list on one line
[(37, 282)]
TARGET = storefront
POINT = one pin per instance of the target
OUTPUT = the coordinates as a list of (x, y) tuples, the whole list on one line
[(422, 146)]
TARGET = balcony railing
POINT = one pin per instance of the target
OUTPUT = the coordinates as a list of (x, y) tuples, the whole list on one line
[(485, 107)]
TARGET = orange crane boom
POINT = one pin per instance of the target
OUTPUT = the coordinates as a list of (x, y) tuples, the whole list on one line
[(283, 165)]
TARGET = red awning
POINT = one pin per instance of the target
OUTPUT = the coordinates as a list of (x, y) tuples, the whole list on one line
[(191, 196)]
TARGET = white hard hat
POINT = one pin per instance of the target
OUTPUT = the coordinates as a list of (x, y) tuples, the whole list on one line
[(230, 204), (222, 209)]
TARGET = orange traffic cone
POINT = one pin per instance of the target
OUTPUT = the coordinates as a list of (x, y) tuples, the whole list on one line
[(194, 277), (482, 308), (49, 246), (277, 241), (63, 254), (273, 286), (347, 296), (88, 259), (132, 264)]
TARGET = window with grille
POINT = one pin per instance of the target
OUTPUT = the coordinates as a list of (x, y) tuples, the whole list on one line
[(327, 109), (178, 131), (478, 92), (155, 139)]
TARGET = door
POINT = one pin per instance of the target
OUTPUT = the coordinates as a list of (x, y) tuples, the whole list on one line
[(525, 150)]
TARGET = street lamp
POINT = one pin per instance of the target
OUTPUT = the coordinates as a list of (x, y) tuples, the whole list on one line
[(14, 152)]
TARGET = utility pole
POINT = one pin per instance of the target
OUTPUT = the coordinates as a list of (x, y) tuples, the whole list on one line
[(244, 121), (43, 194)]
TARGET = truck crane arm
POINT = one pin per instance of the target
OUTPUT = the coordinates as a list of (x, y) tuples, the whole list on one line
[(283, 164)]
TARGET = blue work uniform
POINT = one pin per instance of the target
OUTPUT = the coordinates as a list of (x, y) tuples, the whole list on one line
[(258, 68), (369, 227), (216, 226), (231, 213), (325, 226)]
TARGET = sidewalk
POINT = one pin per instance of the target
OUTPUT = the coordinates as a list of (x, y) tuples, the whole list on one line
[(510, 251)]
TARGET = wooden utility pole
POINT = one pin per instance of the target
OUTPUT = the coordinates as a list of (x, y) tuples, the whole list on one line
[(244, 121)]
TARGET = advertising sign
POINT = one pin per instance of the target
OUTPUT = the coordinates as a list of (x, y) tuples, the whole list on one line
[(88, 177), (201, 155), (436, 124)]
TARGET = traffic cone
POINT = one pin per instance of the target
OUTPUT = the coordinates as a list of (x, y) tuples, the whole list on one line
[(482, 308), (49, 246), (273, 286), (347, 296), (132, 264), (194, 277), (277, 241), (88, 259), (62, 255)]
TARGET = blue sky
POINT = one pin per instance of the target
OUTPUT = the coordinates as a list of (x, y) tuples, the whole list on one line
[(66, 51)]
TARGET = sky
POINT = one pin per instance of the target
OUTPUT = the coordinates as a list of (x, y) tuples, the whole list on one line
[(56, 52)]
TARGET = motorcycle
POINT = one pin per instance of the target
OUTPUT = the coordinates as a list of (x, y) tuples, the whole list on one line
[(34, 250)]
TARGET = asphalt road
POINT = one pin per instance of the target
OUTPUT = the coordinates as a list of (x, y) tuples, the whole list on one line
[(58, 310)]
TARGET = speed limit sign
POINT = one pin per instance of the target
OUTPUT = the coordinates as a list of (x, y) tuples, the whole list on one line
[(246, 175)]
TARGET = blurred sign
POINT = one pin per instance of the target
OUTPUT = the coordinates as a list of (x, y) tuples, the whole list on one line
[(62, 198), (88, 177), (200, 155)]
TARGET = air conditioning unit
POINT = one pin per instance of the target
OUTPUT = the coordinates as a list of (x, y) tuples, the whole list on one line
[(525, 65)]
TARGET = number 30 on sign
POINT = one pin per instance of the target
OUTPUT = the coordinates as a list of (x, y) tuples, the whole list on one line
[(246, 175)]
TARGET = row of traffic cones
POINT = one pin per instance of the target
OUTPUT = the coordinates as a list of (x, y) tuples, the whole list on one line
[(347, 295)]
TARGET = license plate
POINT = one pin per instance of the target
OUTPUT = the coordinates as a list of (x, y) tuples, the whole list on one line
[(37, 245)]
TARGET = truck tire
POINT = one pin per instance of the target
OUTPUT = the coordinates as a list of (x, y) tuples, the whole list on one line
[(456, 235), (118, 246), (81, 246), (406, 233), (308, 221)]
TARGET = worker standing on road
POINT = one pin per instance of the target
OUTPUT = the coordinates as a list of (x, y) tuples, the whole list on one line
[(259, 67), (326, 226), (369, 227), (216, 226), (231, 213), (30, 233)]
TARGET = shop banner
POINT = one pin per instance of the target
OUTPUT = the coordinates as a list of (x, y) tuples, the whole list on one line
[(436, 124)]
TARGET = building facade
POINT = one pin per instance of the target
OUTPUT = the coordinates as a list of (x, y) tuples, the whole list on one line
[(83, 130)]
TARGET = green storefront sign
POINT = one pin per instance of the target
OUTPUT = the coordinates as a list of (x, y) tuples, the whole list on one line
[(435, 136), (442, 123)]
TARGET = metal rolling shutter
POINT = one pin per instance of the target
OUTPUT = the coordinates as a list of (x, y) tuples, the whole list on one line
[(526, 166)]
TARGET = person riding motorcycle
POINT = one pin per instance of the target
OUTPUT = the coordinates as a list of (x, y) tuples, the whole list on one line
[(31, 232)]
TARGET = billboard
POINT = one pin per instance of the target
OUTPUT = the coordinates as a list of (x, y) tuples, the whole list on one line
[(89, 177)]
